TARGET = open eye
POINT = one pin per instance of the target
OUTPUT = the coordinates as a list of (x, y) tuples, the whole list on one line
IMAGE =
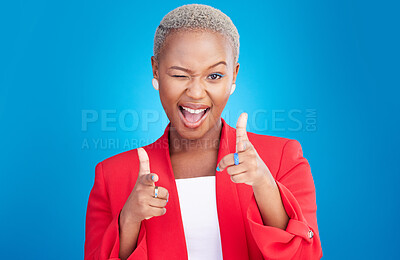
[(215, 76)]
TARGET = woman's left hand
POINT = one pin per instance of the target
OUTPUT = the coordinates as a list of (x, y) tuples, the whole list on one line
[(251, 169)]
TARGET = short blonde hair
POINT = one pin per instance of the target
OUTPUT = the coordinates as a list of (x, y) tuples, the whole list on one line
[(196, 16)]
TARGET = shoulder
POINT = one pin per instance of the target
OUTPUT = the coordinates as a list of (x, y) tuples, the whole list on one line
[(120, 160), (262, 141), (127, 163), (129, 159), (272, 141), (268, 142), (118, 168), (276, 151)]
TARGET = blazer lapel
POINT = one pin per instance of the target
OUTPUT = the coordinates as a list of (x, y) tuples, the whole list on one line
[(165, 234), (233, 236)]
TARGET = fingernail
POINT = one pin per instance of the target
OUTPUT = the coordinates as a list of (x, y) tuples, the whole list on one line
[(218, 169), (167, 200), (152, 177)]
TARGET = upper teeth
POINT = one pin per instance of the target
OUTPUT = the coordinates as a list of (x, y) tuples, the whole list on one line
[(194, 111)]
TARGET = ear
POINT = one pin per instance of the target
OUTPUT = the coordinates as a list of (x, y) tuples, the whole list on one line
[(235, 72), (154, 65)]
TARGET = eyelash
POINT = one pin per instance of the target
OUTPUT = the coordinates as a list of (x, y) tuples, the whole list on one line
[(218, 74)]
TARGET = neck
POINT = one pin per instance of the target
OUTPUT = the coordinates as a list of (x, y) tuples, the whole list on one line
[(208, 142)]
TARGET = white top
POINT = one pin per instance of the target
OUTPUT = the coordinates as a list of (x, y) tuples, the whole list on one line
[(198, 204)]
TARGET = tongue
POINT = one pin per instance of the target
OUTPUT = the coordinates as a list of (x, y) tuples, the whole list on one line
[(192, 118)]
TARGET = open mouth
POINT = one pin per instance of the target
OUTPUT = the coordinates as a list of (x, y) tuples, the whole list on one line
[(193, 118)]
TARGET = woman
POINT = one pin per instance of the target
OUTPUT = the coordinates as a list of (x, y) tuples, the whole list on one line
[(203, 190)]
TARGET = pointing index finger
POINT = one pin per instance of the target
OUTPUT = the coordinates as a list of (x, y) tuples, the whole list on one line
[(144, 166)]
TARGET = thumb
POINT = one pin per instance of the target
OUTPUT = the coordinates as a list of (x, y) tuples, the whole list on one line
[(241, 133)]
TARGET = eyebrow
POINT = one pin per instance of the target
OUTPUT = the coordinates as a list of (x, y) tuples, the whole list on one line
[(189, 71)]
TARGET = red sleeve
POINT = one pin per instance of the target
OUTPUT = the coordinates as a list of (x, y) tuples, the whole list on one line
[(301, 239), (102, 227)]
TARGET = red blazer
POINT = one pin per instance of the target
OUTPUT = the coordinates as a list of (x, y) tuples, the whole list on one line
[(243, 235)]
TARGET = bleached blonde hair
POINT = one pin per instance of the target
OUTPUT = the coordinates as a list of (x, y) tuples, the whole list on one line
[(196, 17)]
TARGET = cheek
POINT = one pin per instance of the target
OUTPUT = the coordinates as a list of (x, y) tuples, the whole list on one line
[(219, 95), (166, 96), (170, 93), (169, 90)]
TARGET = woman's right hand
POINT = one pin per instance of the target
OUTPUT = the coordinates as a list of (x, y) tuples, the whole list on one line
[(141, 203)]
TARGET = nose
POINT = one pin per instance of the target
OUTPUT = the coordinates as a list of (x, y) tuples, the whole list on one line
[(196, 89)]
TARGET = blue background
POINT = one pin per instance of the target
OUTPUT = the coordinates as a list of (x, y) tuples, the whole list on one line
[(59, 60)]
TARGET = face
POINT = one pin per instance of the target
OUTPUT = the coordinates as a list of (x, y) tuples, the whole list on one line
[(195, 72)]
